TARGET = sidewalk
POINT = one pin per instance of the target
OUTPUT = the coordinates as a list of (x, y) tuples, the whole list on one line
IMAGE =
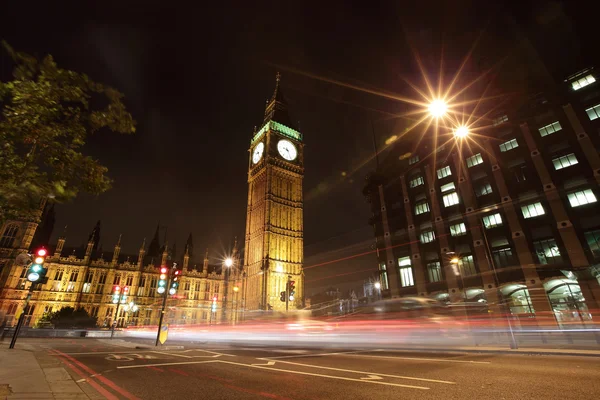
[(22, 377)]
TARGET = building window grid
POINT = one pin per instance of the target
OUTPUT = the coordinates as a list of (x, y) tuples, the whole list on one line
[(474, 160), (458, 229), (427, 237), (547, 251), (550, 129), (406, 277), (509, 145), (593, 241), (564, 161), (434, 271), (581, 197), (492, 221), (444, 172), (593, 112), (413, 160), (466, 266), (9, 235), (483, 189), (503, 257), (418, 181), (422, 208), (500, 120), (583, 82), (533, 210), (450, 199)]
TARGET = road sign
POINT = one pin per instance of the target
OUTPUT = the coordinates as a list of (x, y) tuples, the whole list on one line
[(164, 333)]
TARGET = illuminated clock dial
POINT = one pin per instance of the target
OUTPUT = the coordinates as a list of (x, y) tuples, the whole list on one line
[(287, 150), (258, 152)]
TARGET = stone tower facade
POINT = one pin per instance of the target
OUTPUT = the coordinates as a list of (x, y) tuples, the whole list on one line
[(274, 222)]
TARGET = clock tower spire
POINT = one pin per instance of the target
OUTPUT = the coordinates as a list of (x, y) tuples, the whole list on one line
[(274, 242)]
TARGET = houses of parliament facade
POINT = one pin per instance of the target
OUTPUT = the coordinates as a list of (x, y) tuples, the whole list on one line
[(85, 277)]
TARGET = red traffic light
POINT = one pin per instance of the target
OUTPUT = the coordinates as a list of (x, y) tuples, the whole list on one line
[(126, 289), (117, 288), (41, 252), (215, 298), (163, 270)]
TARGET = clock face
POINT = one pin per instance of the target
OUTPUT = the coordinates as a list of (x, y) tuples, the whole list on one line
[(287, 150), (258, 152)]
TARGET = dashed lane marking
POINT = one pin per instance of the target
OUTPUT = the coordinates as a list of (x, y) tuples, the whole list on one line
[(164, 364)]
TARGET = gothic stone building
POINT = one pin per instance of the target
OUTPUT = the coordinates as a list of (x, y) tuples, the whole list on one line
[(84, 278)]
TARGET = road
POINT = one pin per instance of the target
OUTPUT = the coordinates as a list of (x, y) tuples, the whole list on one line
[(220, 372)]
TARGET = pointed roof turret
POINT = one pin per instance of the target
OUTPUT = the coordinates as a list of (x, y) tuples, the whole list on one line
[(189, 246), (95, 236), (154, 247), (277, 107)]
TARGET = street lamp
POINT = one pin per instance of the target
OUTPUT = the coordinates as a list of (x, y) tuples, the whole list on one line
[(228, 262), (461, 132), (438, 108)]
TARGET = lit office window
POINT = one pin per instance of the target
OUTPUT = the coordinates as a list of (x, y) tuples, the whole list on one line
[(593, 112), (564, 161), (483, 188), (593, 240), (466, 266), (406, 277), (458, 229), (418, 181), (581, 197), (434, 271), (444, 172), (384, 277), (413, 160), (491, 221), (503, 257), (509, 145), (500, 120), (427, 237), (583, 82), (532, 210), (550, 129), (421, 208), (547, 251), (450, 199), (474, 160), (447, 187)]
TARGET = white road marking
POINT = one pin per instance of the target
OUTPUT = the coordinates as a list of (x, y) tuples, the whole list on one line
[(269, 363), (184, 356), (370, 377), (419, 359), (412, 378), (311, 355), (81, 380), (163, 364), (211, 352), (107, 352), (325, 376)]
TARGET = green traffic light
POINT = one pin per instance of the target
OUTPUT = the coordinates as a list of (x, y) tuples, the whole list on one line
[(36, 267)]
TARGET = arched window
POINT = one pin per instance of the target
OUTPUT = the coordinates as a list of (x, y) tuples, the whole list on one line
[(9, 235)]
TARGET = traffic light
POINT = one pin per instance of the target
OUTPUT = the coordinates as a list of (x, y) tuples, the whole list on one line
[(125, 293), (175, 282), (292, 289), (214, 304), (36, 271), (282, 296), (162, 282), (116, 294)]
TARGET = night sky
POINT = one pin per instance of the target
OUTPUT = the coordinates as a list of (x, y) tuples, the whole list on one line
[(196, 79)]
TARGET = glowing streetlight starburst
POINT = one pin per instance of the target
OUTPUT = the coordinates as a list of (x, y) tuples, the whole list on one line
[(438, 108), (461, 132)]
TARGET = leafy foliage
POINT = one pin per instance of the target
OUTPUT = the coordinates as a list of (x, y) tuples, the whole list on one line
[(46, 115), (67, 318)]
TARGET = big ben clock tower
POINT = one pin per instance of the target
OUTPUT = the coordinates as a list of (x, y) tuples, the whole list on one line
[(274, 221)]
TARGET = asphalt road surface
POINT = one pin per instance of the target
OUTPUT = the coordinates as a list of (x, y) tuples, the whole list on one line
[(220, 372)]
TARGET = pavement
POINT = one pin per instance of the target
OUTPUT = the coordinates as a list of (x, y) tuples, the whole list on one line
[(134, 369)]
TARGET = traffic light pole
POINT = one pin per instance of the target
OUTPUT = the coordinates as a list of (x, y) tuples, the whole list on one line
[(287, 293), (22, 317), (162, 310), (116, 318)]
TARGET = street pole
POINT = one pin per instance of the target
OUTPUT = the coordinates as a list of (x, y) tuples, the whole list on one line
[(22, 317), (490, 260), (116, 318), (287, 293), (162, 315)]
